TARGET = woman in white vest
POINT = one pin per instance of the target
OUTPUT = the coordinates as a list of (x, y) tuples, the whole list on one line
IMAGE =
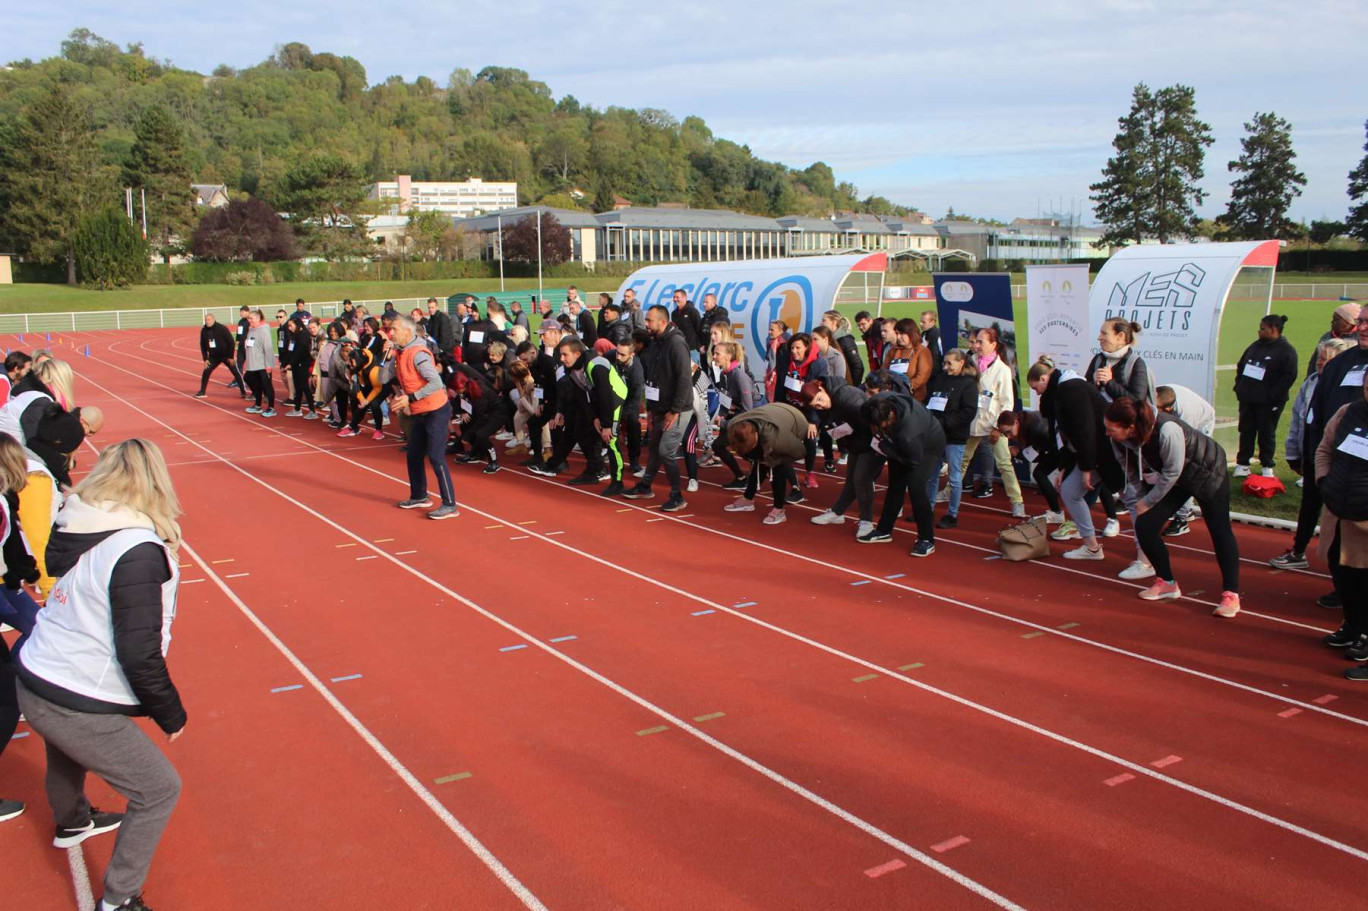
[(96, 657), (54, 383), (997, 388)]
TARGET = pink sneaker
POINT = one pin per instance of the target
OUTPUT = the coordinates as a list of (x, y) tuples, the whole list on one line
[(1162, 591), (775, 516), (1229, 606), (810, 481), (378, 435), (346, 432)]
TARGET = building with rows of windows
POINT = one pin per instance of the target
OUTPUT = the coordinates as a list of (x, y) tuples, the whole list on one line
[(462, 198)]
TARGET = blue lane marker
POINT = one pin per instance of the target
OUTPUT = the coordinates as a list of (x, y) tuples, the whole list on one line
[(20, 734), (894, 576), (348, 677), (286, 689), (564, 638), (861, 582), (745, 604), (699, 613), (512, 648)]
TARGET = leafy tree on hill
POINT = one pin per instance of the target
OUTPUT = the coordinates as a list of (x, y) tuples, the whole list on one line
[(325, 196), (1268, 182), (245, 230), (109, 251), (520, 241), (156, 166)]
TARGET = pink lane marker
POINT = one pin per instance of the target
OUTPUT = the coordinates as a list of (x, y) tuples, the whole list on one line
[(1119, 779), (1166, 761), (1289, 713), (950, 845), (1324, 700), (881, 869)]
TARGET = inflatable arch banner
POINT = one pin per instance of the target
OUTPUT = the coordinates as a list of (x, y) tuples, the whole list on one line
[(1176, 292), (754, 292)]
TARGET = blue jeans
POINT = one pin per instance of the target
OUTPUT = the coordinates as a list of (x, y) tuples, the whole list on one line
[(954, 461)]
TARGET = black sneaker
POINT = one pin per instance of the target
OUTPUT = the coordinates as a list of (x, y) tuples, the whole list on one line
[(1340, 638), (924, 549), (639, 492), (465, 458), (735, 484), (130, 904), (1358, 651), (795, 498), (983, 493), (546, 471), (528, 463), (417, 503), (1330, 600), (10, 809), (1359, 674), (100, 822), (582, 480), (675, 503), (947, 522), (604, 476), (491, 468), (875, 537), (829, 467), (1176, 528), (1290, 559), (612, 490), (200, 395)]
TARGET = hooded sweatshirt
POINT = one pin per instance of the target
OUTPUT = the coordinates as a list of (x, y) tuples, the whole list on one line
[(99, 645), (782, 430)]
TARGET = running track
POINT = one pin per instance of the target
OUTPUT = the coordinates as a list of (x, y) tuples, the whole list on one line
[(567, 702)]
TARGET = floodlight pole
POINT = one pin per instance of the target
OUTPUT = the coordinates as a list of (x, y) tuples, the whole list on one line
[(501, 272), (539, 258)]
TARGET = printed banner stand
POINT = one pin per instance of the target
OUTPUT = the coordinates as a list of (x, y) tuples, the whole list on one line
[(969, 301), (1057, 317), (1176, 293)]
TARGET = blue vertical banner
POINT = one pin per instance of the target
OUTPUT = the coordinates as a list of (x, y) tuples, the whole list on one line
[(969, 301)]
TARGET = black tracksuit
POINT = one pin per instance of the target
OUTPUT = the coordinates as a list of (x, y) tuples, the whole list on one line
[(1263, 380), (544, 374), (688, 321), (914, 447), (217, 347)]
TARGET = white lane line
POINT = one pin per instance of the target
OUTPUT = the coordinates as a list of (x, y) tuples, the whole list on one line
[(495, 866), (792, 786)]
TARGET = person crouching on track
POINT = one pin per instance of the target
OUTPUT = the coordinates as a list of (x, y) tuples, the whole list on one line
[(423, 397), (575, 415), (97, 656), (216, 349), (913, 442), (259, 363), (1165, 462), (774, 436), (608, 393), (839, 407), (1028, 434)]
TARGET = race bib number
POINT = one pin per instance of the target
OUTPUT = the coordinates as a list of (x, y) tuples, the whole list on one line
[(540, 393), (1029, 454), (1254, 371), (840, 432), (467, 407), (724, 400), (241, 329), (1355, 444), (291, 348), (251, 343), (793, 383), (936, 402), (515, 396), (1353, 378), (560, 374), (476, 337), (898, 367), (212, 344), (652, 393)]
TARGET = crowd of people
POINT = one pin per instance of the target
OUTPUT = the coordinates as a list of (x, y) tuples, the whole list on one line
[(90, 573)]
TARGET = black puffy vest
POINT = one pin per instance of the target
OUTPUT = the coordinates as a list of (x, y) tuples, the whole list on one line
[(1345, 488)]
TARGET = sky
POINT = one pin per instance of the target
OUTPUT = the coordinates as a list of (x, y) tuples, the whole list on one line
[(1000, 110)]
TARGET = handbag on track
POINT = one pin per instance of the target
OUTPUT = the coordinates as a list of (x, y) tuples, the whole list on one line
[(1026, 541)]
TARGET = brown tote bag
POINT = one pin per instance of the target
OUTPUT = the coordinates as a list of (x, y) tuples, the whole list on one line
[(1026, 541)]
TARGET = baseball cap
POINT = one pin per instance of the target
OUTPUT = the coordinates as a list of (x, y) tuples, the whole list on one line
[(1348, 312), (550, 325)]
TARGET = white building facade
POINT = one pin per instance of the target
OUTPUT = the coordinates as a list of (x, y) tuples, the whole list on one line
[(463, 199)]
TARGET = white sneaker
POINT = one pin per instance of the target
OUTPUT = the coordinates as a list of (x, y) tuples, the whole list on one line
[(1138, 569), (828, 518), (943, 496), (1269, 473), (1018, 510), (1053, 518), (944, 470), (503, 435), (741, 504), (1082, 553), (692, 486), (863, 528), (1111, 529), (1241, 471), (843, 459), (1299, 481)]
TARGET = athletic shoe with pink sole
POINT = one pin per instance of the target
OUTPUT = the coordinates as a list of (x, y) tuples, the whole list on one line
[(1229, 606), (378, 435), (775, 516), (347, 432), (1162, 591)]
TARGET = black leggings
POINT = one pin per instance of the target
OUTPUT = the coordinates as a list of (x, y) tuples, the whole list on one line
[(1258, 422), (259, 381), (1216, 514), (630, 427), (302, 396), (911, 480), (782, 477), (1044, 467), (1101, 492), (213, 365), (809, 453), (377, 415), (1350, 584), (1309, 513)]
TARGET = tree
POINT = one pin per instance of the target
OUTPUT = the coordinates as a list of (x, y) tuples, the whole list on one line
[(110, 252), (1322, 232), (426, 230), (325, 196), (1150, 187), (156, 166), (604, 197), (246, 230), (1261, 196), (1357, 223), (520, 241), (49, 178)]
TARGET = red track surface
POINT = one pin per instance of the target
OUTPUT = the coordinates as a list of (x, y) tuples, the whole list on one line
[(784, 772)]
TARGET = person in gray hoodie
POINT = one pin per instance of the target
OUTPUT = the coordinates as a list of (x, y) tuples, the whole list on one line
[(258, 364)]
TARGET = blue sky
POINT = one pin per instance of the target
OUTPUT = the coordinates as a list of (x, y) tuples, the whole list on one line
[(994, 108)]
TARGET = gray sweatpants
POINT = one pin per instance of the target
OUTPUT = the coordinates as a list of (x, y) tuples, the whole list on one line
[(117, 750)]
